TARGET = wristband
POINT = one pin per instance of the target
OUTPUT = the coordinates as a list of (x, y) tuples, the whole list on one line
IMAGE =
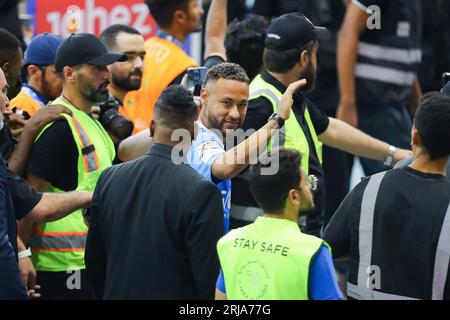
[(390, 156), (24, 254)]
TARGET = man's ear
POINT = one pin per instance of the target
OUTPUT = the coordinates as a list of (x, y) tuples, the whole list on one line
[(304, 58), (33, 70), (294, 197), (415, 138), (70, 74), (204, 95), (179, 16), (5, 67), (152, 128)]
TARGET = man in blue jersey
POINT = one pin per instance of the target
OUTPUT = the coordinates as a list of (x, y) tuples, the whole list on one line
[(224, 100)]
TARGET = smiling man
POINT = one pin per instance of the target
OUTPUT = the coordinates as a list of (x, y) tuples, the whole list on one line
[(70, 155)]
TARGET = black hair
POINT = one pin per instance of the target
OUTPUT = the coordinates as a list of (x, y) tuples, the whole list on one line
[(162, 10), (271, 191), (244, 43), (9, 46), (283, 61), (175, 107), (227, 71), (432, 122), (109, 35)]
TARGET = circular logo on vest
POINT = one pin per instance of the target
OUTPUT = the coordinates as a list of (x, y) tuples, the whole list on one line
[(253, 280)]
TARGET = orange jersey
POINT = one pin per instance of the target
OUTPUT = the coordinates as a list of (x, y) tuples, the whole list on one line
[(25, 102), (164, 61)]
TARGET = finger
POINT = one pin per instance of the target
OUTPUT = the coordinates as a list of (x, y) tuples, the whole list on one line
[(184, 81), (293, 87)]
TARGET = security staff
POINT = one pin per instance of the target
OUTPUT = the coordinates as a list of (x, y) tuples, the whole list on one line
[(271, 258), (291, 53), (70, 155), (379, 53), (395, 225), (165, 61)]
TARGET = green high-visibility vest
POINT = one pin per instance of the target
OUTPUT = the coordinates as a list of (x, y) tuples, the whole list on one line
[(267, 260), (60, 245), (291, 135)]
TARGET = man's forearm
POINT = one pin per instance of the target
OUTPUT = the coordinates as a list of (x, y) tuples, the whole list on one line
[(347, 53), (55, 206), (245, 153), (19, 157), (216, 29), (342, 136)]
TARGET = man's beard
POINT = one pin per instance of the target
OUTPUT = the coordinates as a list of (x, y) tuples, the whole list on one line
[(94, 95), (310, 76), (127, 83)]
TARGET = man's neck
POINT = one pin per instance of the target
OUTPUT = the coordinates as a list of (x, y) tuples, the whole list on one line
[(33, 84), (423, 163), (285, 78), (117, 93), (285, 216), (175, 33), (75, 99), (203, 119)]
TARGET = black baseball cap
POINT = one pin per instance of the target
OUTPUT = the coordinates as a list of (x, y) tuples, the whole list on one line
[(81, 48), (293, 31)]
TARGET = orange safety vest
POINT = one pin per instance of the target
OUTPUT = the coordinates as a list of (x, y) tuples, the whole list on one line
[(163, 62)]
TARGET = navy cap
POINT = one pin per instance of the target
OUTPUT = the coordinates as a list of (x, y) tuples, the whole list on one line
[(42, 49), (82, 48), (293, 31)]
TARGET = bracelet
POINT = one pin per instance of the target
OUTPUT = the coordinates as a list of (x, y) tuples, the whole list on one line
[(390, 156), (24, 254)]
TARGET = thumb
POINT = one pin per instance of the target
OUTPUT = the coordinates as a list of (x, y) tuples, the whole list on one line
[(295, 86)]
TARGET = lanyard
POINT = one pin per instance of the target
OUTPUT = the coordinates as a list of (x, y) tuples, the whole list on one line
[(163, 35), (29, 92)]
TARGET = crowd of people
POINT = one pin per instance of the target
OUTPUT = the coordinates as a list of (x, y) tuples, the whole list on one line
[(120, 181)]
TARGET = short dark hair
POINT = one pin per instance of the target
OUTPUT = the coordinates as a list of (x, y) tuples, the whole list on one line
[(283, 61), (109, 35), (9, 46), (271, 191), (227, 71), (162, 10), (432, 121), (175, 106), (244, 43)]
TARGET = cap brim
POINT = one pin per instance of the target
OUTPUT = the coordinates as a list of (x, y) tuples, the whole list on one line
[(322, 33), (107, 59)]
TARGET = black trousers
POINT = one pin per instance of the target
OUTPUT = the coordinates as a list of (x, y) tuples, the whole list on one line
[(65, 286)]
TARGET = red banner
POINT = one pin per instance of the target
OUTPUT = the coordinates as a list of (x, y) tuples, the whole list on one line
[(64, 17)]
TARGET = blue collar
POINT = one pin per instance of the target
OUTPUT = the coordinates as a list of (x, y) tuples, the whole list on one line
[(163, 35)]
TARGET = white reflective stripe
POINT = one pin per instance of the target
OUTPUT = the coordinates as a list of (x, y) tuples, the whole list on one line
[(359, 293), (404, 56), (366, 227), (442, 259), (362, 7), (388, 75), (245, 213)]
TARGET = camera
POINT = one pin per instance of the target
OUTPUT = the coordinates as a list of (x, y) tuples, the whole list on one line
[(113, 122)]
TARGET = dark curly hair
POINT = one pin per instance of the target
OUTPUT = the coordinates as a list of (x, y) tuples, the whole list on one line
[(244, 43)]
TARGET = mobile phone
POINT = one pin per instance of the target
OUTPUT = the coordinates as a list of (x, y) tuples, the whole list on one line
[(196, 77), (445, 78)]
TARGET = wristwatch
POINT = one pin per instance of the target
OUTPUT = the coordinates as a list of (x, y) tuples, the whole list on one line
[(275, 116), (390, 156), (24, 254)]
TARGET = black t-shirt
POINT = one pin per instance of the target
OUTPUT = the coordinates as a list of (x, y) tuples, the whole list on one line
[(54, 157), (408, 218), (24, 197), (258, 112)]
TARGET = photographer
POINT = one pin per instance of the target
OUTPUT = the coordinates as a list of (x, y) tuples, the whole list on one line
[(125, 76)]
